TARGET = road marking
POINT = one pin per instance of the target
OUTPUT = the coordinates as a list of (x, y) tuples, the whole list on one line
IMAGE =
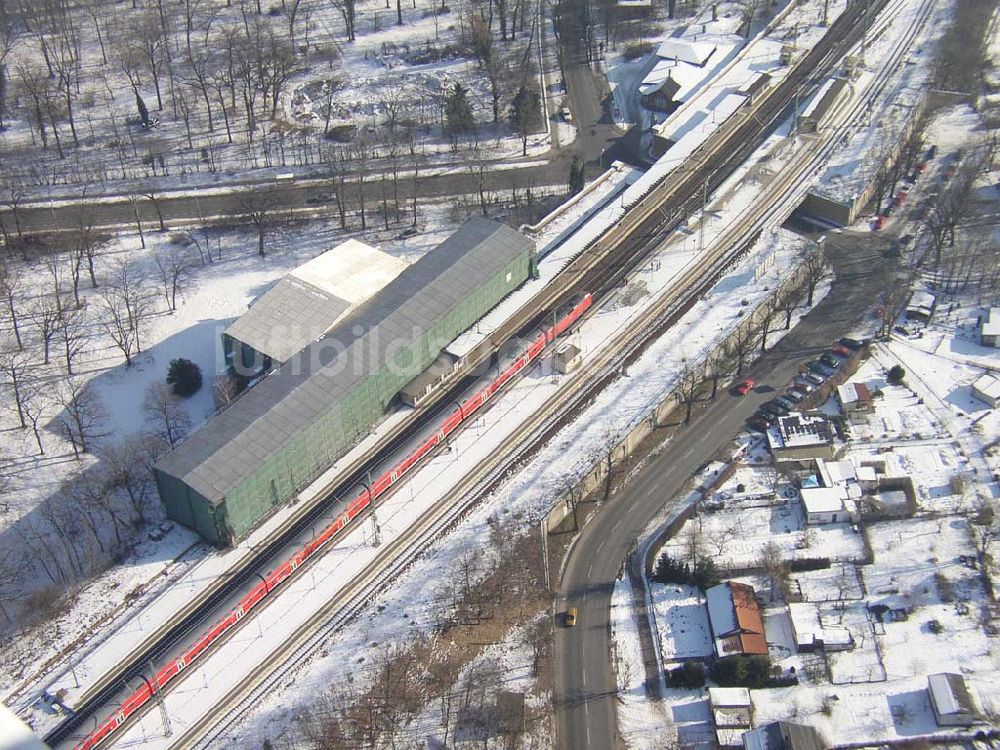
[(601, 545), (590, 569), (615, 527)]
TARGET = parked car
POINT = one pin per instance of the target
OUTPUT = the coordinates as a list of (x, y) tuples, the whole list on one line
[(830, 361), (794, 396), (765, 416), (321, 198), (775, 408), (571, 617), (758, 424), (785, 402), (841, 350), (803, 387), (821, 368), (744, 387), (852, 344), (879, 223), (814, 379)]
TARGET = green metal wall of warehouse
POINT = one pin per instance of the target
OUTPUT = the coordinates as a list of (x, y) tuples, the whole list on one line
[(277, 477), (329, 437)]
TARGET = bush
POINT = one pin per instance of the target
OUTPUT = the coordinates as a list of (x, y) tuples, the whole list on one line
[(704, 575), (896, 374), (637, 49), (689, 675), (742, 671), (184, 377), (809, 563)]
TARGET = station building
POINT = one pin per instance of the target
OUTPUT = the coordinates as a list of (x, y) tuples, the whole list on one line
[(304, 305), (281, 434)]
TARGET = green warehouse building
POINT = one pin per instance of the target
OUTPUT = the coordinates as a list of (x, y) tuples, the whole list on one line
[(289, 428)]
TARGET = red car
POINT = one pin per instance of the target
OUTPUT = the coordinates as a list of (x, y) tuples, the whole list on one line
[(879, 223), (744, 387), (840, 349)]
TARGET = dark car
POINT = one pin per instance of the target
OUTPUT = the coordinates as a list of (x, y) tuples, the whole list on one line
[(775, 408), (813, 378), (794, 396), (785, 401), (830, 360), (804, 387), (321, 198), (819, 368), (852, 344), (758, 424), (932, 151)]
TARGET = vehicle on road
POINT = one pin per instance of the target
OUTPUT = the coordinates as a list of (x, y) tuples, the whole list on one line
[(744, 387), (852, 344), (571, 617), (566, 114)]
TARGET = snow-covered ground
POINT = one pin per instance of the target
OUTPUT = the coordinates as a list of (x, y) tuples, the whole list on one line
[(387, 85)]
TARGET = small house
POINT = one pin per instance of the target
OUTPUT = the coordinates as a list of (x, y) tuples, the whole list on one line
[(987, 389), (825, 505), (921, 306), (567, 358), (950, 700), (732, 714), (854, 397), (783, 735), (735, 619), (989, 328)]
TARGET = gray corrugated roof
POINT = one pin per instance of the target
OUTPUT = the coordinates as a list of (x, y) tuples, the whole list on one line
[(287, 317), (230, 447)]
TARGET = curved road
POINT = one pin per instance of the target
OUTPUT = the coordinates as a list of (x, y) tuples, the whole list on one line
[(585, 683)]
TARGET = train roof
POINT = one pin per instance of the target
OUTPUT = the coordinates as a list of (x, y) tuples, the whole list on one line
[(230, 447)]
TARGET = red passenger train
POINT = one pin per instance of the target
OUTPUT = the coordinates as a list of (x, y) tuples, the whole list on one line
[(284, 571)]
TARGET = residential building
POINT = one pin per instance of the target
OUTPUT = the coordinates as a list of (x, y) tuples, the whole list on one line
[(783, 735), (987, 389), (950, 700), (735, 619), (989, 327)]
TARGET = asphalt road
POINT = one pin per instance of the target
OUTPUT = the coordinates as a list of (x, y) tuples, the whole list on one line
[(585, 683)]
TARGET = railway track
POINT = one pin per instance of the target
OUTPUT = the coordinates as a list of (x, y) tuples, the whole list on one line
[(600, 266), (529, 438)]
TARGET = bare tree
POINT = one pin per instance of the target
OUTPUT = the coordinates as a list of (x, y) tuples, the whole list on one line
[(72, 336), (259, 208), (175, 273), (11, 288), (47, 320), (225, 390), (16, 366), (689, 382), (126, 307), (165, 410), (347, 10), (83, 415), (815, 271), (776, 569), (33, 405)]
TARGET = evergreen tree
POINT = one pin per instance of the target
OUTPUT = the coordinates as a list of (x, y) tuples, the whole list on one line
[(526, 114), (184, 377), (896, 375), (458, 114), (143, 112)]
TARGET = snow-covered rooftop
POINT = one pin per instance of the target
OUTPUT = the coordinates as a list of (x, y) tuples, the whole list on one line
[(991, 323), (823, 499), (682, 50)]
